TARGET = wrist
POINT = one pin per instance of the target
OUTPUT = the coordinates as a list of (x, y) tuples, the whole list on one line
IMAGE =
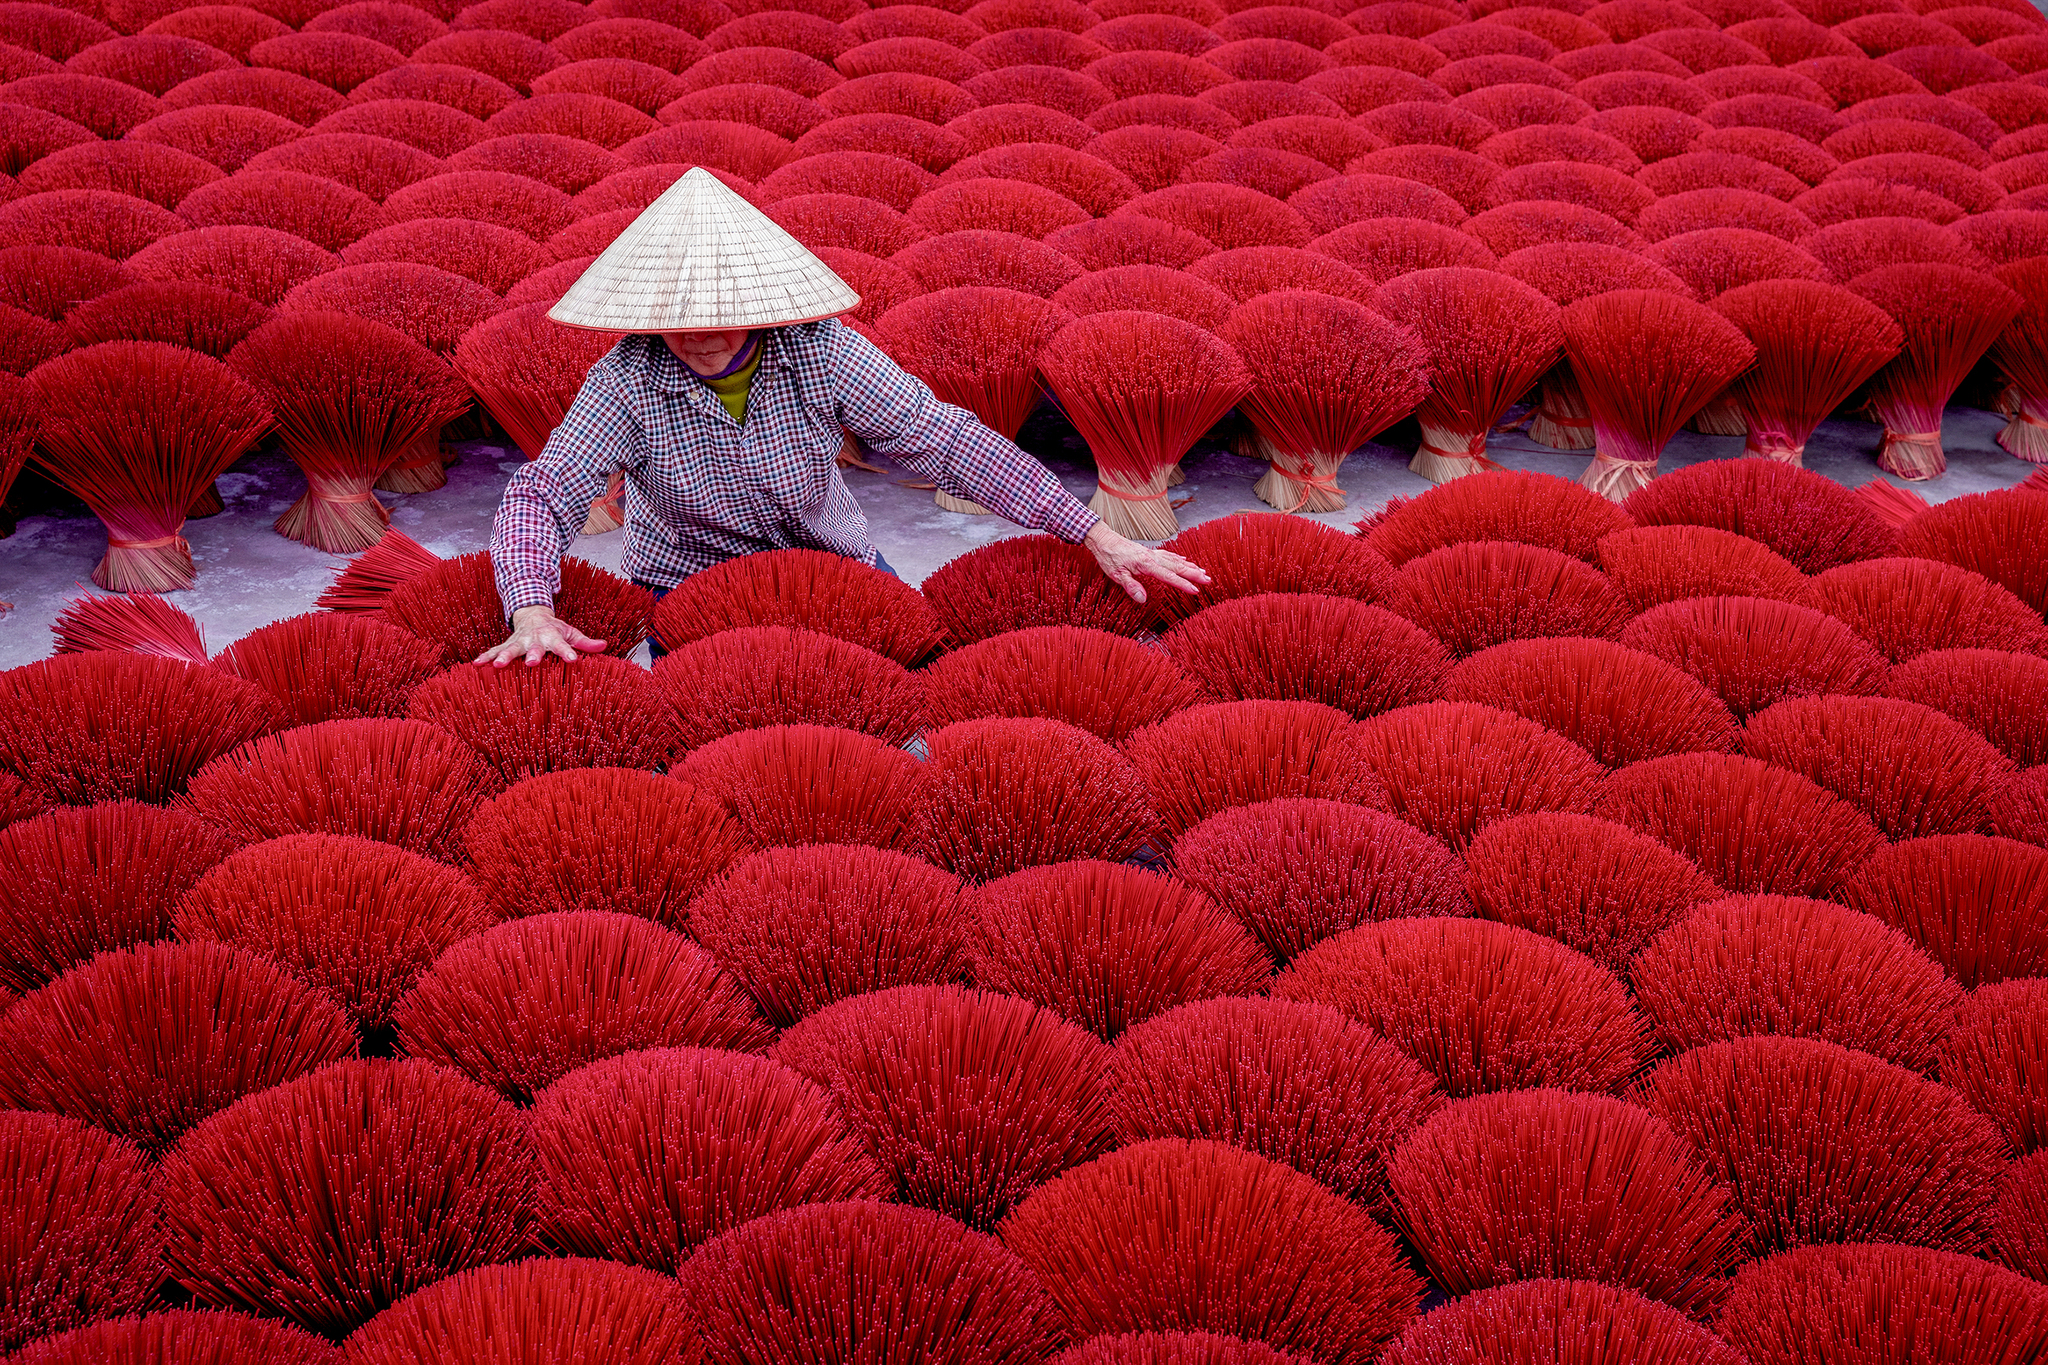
[(1100, 537)]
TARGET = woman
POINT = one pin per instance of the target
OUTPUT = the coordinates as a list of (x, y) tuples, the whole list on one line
[(725, 412)]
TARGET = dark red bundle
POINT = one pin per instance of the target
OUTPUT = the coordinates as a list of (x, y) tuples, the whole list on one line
[(1297, 871), (400, 782), (349, 396), (1105, 684), (737, 148), (116, 226), (1141, 389), (803, 928), (1245, 1071), (1475, 594), (454, 604), (1027, 581), (324, 212), (753, 676), (1781, 965), (536, 718), (1325, 375), (1154, 157), (227, 136), (354, 919), (514, 201), (2000, 696), (1000, 795), (1508, 505), (1308, 647), (258, 262), (78, 882), (1592, 885), (1103, 243), (1751, 827), (537, 848), (171, 1333), (753, 1137), (1810, 520), (1646, 361), (1247, 554), (1909, 607), (527, 370), (112, 725), (569, 164), (106, 438), (1526, 223), (1248, 272), (1837, 1300), (442, 1184), (140, 624), (148, 1041), (187, 313), (1209, 758), (1996, 1048), (1977, 905), (562, 1307), (79, 1241), (1382, 249), (810, 784), (50, 281), (805, 589), (890, 1284), (1574, 1322), (1173, 1235), (1228, 215), (1488, 337), (1618, 704), (971, 1099), (18, 800), (1754, 653), (143, 170), (841, 220), (432, 306), (2019, 1220), (27, 342), (1000, 259), (1483, 1007), (1713, 261), (1148, 289), (1500, 1188), (497, 258), (1950, 317), (2021, 353), (1699, 210), (1985, 532), (1822, 1143), (1105, 946), (1815, 342)]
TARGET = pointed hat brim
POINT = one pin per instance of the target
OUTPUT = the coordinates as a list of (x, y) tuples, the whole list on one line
[(702, 259)]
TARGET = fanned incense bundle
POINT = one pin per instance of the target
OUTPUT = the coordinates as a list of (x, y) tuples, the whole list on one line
[(1814, 344), (1326, 375)]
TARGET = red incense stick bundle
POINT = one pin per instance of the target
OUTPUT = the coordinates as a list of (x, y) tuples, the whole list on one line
[(1951, 317), (1814, 344)]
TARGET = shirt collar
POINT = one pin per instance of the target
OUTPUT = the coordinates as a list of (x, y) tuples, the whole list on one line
[(670, 376)]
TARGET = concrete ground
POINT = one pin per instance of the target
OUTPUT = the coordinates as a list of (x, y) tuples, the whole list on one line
[(249, 575)]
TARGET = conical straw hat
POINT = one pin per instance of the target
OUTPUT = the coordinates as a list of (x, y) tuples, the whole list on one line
[(700, 258)]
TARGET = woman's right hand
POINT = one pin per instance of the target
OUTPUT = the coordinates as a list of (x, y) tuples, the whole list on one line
[(536, 633)]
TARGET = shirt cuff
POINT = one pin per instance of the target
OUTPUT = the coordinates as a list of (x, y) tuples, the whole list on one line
[(527, 595), (1071, 521)]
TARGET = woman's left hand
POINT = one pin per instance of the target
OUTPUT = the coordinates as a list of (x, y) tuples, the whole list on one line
[(1123, 560)]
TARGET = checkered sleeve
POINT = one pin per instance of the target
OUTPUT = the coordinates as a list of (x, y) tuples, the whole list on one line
[(898, 415), (546, 502)]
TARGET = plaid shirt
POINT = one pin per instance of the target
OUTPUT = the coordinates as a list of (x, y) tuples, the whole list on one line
[(702, 488)]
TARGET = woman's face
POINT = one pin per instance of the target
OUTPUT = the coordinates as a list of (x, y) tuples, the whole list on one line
[(706, 352)]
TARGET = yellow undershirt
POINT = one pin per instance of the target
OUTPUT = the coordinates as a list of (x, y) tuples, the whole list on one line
[(731, 391)]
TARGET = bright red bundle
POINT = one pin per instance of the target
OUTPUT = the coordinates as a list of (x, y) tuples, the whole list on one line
[(1324, 376), (657, 843), (141, 623), (114, 726), (332, 666), (519, 1006), (496, 258), (1573, 1322), (1995, 1056), (1488, 338), (1526, 1185), (753, 676), (1840, 1302), (1002, 260), (1105, 684), (148, 1041), (1309, 647), (400, 782), (806, 589), (1815, 343), (78, 882), (1475, 594), (1646, 361), (643, 1157), (888, 1284), (1508, 505), (1027, 581), (971, 1099), (1247, 554), (1147, 289), (1652, 565), (560, 1307), (1618, 704), (138, 430), (1909, 607), (441, 1183), (454, 604), (2003, 697), (1825, 1144), (598, 712), (170, 1333), (1810, 520), (1754, 652), (1950, 318), (810, 784), (1483, 1007), (1208, 758), (1297, 1084), (349, 396), (1178, 1235), (527, 370), (1987, 533), (1977, 905), (188, 313), (1751, 966), (1107, 946)]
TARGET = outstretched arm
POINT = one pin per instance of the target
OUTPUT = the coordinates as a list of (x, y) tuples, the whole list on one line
[(542, 512), (897, 414)]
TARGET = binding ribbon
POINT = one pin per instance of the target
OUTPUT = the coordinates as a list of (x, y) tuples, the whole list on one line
[(1309, 480), (1915, 437), (1475, 451), (159, 542), (2022, 415), (1102, 487)]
